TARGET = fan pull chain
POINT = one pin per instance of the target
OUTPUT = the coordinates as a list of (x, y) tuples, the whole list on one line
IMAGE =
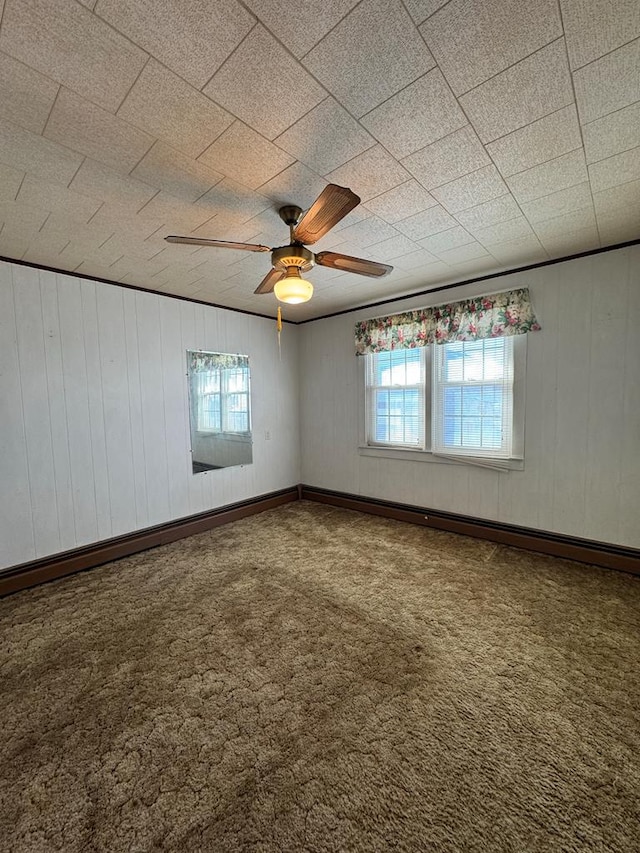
[(279, 328)]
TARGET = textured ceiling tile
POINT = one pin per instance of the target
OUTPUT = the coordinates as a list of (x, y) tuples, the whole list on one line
[(598, 27), (94, 179), (482, 185), (447, 159), (418, 115), (468, 252), (445, 240), (421, 9), (499, 209), (326, 137), (557, 174), (164, 105), (612, 134), (245, 156), (372, 54), (28, 152), (10, 180), (73, 46), (401, 202), (625, 197), (231, 199), (393, 248), (615, 170), (245, 85), (170, 170), (529, 90), (524, 250), (417, 259), (295, 185), (572, 242), (503, 231), (191, 37), (556, 204), (426, 223), (112, 218), (368, 232), (80, 125), (475, 40), (370, 174), (177, 216), (614, 230), (23, 216), (27, 97), (549, 137), (301, 29), (609, 83), (39, 193), (556, 227), (475, 267)]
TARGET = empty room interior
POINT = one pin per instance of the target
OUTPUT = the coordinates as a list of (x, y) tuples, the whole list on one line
[(320, 426)]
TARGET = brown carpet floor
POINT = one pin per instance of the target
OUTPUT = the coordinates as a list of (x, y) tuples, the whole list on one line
[(314, 679)]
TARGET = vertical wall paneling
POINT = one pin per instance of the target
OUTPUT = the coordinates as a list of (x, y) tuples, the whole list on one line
[(138, 461), (35, 410), (629, 502), (152, 401), (178, 463), (17, 541), (76, 394), (58, 411), (96, 409)]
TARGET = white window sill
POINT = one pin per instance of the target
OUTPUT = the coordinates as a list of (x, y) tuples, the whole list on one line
[(410, 455)]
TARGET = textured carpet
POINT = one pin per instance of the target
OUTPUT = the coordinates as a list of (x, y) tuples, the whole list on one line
[(314, 679)]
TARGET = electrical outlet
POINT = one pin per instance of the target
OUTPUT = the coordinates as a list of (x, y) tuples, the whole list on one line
[(267, 435)]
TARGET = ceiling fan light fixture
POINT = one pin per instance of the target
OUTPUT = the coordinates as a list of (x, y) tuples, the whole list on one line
[(293, 289)]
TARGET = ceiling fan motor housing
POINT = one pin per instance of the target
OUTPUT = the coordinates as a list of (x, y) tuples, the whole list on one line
[(292, 256)]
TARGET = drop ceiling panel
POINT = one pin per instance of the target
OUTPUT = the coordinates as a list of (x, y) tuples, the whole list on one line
[(370, 55), (27, 95), (598, 27), (549, 177), (529, 90), (144, 119), (72, 46), (244, 85), (401, 201), (243, 155), (418, 115), (190, 37), (608, 84), (616, 132), (489, 36), (83, 127), (326, 137), (542, 140), (449, 158), (167, 107)]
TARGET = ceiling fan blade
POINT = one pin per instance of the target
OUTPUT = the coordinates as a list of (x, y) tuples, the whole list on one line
[(349, 264), (328, 209), (217, 244), (269, 281)]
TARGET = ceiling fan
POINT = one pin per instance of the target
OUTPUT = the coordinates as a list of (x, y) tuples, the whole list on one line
[(284, 279)]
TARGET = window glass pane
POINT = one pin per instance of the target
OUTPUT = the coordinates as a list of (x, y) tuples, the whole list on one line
[(491, 432), (453, 361), (471, 400), (382, 429), (395, 412), (471, 432), (452, 432)]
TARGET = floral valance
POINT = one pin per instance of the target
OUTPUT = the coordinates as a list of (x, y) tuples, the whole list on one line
[(207, 361), (494, 316)]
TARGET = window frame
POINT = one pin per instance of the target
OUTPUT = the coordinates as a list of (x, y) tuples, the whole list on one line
[(426, 454)]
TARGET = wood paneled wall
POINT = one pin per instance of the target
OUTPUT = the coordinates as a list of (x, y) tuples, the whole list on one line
[(94, 432), (582, 432)]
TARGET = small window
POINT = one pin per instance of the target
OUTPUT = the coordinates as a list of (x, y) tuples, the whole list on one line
[(222, 400), (473, 398), (395, 397)]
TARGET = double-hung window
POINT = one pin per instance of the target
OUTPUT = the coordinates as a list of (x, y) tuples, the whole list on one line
[(222, 396), (456, 400)]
